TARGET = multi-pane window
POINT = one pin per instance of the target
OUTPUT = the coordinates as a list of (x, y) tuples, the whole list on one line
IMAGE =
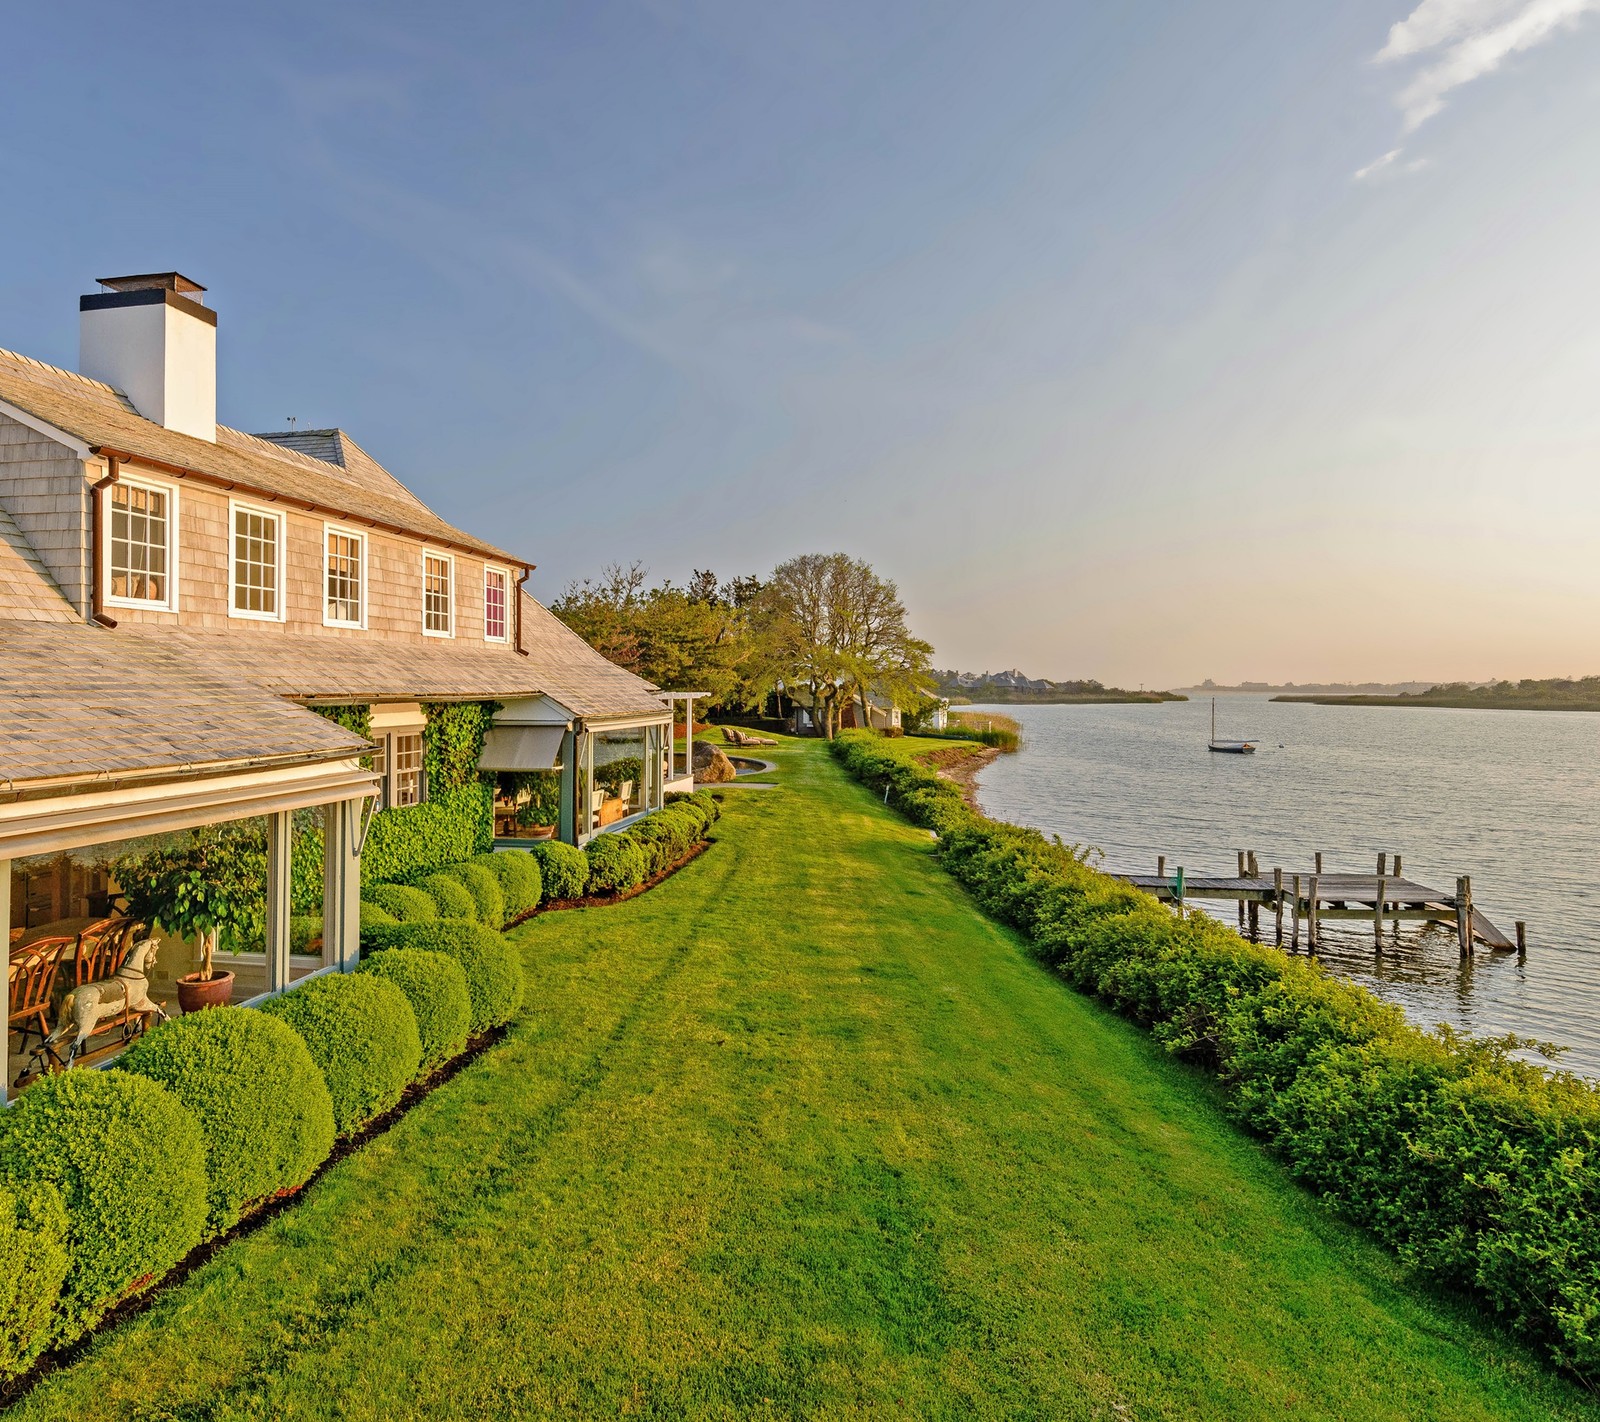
[(406, 758), (344, 578), (494, 604), (141, 527), (436, 608), (256, 539)]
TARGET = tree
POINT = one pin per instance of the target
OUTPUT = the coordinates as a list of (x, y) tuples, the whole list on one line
[(839, 629), (692, 638)]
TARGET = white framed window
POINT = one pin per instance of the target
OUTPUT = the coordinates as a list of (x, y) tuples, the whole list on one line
[(438, 595), (256, 564), (344, 557), (405, 769), (496, 605), (140, 545)]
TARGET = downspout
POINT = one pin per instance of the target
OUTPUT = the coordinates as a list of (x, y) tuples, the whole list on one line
[(521, 650), (96, 582)]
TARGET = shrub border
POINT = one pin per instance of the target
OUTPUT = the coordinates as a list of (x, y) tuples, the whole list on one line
[(53, 1360)]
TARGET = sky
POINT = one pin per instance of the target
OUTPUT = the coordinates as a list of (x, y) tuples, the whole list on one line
[(1146, 343)]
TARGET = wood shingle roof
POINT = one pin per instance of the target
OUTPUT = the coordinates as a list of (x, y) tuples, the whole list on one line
[(102, 417), (78, 701)]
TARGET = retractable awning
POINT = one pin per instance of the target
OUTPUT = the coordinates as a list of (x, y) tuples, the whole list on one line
[(522, 748)]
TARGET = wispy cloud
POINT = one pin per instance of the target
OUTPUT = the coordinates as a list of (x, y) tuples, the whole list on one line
[(1458, 41), (1389, 165)]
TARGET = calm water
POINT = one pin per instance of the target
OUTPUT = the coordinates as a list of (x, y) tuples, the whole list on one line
[(1510, 797)]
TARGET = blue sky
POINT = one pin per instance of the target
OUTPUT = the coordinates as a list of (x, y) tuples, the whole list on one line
[(1141, 342)]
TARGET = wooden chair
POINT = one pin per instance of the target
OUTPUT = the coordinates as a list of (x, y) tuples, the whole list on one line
[(33, 977), (101, 948)]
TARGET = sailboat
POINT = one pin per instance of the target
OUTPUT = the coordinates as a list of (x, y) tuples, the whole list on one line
[(1232, 747)]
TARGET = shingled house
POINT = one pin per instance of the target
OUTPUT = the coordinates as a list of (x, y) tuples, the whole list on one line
[(202, 584)]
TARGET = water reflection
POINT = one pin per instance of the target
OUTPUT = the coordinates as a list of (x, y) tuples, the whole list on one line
[(1511, 798)]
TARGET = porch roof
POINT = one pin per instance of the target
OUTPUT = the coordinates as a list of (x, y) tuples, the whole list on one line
[(305, 666), (77, 702)]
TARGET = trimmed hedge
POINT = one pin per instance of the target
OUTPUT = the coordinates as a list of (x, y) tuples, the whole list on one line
[(564, 868), (372, 915), (304, 930), (411, 840), (451, 898), (520, 880), (492, 966), (1479, 1168), (488, 899), (436, 987), (402, 902), (616, 864), (666, 836), (33, 1263), (361, 1032), (129, 1161), (260, 1100)]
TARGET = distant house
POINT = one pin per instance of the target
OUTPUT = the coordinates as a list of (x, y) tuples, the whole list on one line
[(175, 598), (806, 718)]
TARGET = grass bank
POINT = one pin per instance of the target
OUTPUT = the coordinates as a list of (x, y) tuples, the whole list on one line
[(801, 1133)]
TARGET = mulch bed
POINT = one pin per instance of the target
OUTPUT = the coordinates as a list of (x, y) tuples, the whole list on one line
[(262, 1214)]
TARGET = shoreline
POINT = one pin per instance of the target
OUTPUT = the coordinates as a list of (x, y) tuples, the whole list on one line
[(960, 765), (1453, 703)]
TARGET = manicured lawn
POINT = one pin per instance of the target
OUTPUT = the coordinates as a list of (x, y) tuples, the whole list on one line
[(799, 1133)]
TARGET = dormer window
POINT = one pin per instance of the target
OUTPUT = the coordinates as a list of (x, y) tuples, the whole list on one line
[(140, 554), (438, 595), (257, 574), (346, 566), (496, 590)]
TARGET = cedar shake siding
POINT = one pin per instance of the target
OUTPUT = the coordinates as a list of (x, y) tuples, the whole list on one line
[(44, 489)]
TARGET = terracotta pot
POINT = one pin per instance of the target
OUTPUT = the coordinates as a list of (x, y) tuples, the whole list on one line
[(195, 993)]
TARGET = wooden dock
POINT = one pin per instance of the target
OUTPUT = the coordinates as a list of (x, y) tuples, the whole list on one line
[(1312, 897)]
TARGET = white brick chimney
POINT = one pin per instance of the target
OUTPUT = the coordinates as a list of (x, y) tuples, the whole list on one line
[(153, 338)]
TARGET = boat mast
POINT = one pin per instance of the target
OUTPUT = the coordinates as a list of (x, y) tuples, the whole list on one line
[(1213, 718)]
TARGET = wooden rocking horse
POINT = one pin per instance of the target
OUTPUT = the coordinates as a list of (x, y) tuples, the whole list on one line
[(124, 997)]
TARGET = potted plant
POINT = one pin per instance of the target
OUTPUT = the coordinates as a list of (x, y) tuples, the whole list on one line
[(208, 887)]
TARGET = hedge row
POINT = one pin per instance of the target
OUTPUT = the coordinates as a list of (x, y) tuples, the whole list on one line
[(1481, 1169), (108, 1178)]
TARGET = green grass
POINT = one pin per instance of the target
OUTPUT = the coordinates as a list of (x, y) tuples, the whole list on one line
[(799, 1133)]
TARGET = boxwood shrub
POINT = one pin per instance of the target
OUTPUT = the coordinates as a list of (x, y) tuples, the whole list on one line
[(260, 1100), (362, 1034), (404, 903), (564, 868), (372, 916), (33, 1263), (436, 987), (128, 1159), (616, 864), (488, 899), (492, 966), (451, 898), (1476, 1166), (304, 930), (520, 882)]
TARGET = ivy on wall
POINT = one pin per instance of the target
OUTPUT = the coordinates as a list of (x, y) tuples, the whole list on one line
[(453, 741)]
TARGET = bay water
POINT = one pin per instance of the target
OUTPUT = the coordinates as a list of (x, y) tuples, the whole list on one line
[(1511, 798)]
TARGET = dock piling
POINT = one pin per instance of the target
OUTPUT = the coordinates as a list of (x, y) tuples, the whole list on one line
[(1377, 909), (1319, 861), (1522, 939), (1161, 866), (1277, 902), (1311, 913), (1294, 940), (1397, 873), (1464, 916), (1383, 866)]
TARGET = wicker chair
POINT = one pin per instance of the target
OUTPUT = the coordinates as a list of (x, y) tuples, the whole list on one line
[(33, 978), (101, 948)]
